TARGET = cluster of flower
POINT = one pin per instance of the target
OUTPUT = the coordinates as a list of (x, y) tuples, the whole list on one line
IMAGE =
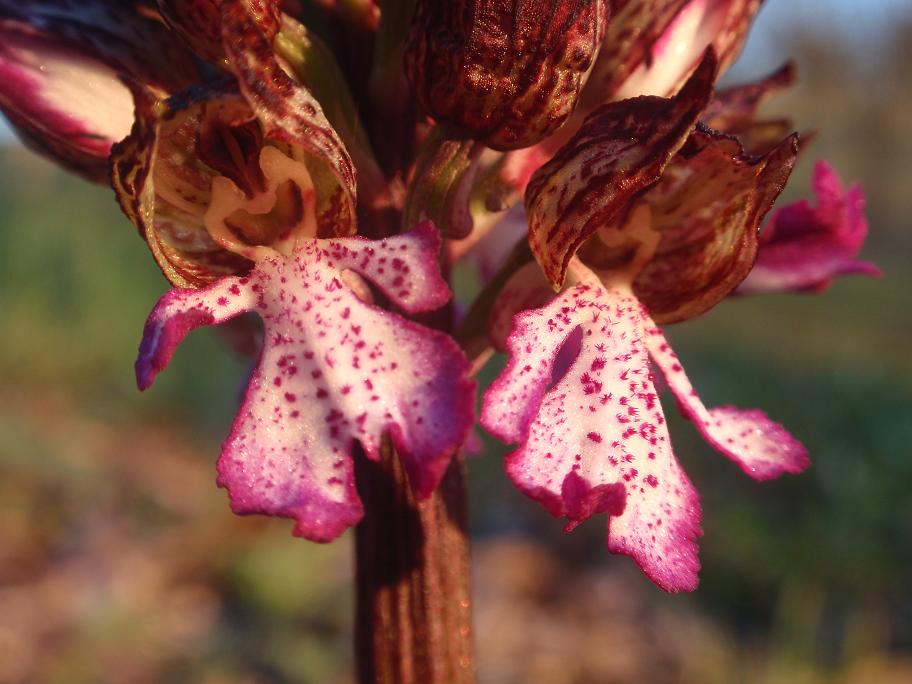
[(233, 133)]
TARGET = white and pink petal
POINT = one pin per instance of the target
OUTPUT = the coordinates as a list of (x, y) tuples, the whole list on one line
[(333, 370), (761, 447), (64, 104), (652, 45), (126, 36), (594, 439), (61, 70)]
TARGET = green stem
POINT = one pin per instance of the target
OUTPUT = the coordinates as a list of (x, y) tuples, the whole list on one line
[(442, 184)]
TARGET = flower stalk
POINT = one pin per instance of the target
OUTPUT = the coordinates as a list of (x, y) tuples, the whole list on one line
[(413, 606), (444, 174)]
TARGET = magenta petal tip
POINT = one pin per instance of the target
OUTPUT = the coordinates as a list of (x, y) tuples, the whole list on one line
[(803, 248)]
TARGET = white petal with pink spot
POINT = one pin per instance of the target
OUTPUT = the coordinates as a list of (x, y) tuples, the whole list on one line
[(596, 441), (762, 448), (333, 369)]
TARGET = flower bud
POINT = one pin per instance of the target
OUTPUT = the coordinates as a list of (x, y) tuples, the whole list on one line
[(505, 73), (62, 67)]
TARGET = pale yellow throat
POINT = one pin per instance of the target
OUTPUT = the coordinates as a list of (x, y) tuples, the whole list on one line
[(637, 232), (270, 221)]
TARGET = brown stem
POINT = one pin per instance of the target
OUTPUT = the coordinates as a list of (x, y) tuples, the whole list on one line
[(413, 612)]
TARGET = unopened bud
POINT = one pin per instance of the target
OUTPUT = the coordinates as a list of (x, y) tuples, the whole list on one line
[(506, 73)]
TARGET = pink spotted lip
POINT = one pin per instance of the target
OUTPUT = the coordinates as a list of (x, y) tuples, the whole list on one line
[(597, 440), (593, 437), (333, 370)]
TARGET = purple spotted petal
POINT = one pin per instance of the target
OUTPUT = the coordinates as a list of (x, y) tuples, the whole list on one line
[(333, 370), (762, 448), (595, 440), (805, 247)]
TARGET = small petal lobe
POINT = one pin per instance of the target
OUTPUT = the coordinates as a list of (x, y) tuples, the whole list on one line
[(761, 447)]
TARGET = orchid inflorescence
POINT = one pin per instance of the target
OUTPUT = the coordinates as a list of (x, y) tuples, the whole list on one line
[(326, 165)]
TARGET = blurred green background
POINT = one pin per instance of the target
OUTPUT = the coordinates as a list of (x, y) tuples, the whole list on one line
[(120, 561)]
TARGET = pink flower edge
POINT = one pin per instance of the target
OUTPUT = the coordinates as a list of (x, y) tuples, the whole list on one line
[(803, 248)]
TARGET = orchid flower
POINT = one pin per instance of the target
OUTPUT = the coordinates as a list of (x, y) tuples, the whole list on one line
[(245, 195), (654, 217), (328, 186), (803, 248), (249, 181)]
